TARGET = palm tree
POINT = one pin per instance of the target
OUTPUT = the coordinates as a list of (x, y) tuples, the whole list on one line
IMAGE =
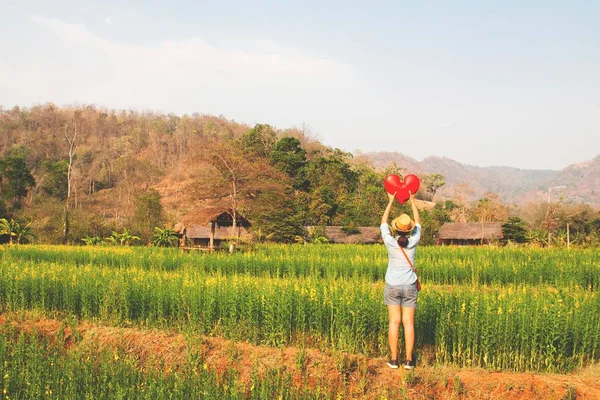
[(7, 228), (14, 229)]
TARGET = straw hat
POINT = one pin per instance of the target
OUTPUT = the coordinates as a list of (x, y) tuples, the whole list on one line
[(403, 223)]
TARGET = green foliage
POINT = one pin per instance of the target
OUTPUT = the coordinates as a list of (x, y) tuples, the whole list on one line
[(148, 214), (85, 225), (350, 229), (7, 228), (55, 181), (93, 240), (537, 237), (258, 236), (332, 182), (164, 237), (433, 182), (317, 235), (276, 215), (15, 230), (123, 239), (15, 176), (3, 211), (258, 141), (35, 368), (127, 152), (515, 230), (365, 205), (514, 309), (289, 156)]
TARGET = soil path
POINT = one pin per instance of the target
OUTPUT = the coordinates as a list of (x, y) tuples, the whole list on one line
[(354, 376)]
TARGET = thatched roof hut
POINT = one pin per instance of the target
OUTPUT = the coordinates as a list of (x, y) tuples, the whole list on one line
[(366, 235), (208, 226), (469, 233), (206, 214), (197, 232)]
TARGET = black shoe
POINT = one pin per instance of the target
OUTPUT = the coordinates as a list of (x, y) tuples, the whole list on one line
[(393, 364), (409, 364)]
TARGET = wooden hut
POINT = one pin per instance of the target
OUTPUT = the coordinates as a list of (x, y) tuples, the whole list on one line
[(208, 227), (469, 233), (365, 235)]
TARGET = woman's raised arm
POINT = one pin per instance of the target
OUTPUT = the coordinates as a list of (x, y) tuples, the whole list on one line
[(386, 213), (415, 210)]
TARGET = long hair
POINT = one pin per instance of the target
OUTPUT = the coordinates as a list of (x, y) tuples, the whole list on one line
[(402, 240)]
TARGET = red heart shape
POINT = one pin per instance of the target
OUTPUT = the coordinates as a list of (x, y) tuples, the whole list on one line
[(412, 183), (394, 184)]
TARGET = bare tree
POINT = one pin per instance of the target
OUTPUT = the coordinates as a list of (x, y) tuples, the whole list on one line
[(462, 195), (71, 142), (489, 209)]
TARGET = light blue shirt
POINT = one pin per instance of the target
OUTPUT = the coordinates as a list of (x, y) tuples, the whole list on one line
[(399, 271)]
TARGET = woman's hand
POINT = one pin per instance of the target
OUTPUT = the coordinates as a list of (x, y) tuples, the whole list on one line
[(391, 197)]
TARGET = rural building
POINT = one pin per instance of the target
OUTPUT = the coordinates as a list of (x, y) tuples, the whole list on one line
[(469, 233), (366, 235), (210, 227)]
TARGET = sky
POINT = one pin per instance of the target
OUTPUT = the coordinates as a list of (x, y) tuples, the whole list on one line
[(513, 83)]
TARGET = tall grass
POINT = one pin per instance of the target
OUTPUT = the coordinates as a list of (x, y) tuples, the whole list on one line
[(33, 369), (515, 327), (436, 265)]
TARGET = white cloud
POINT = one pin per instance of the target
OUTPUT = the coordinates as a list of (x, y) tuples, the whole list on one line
[(90, 68), (108, 20)]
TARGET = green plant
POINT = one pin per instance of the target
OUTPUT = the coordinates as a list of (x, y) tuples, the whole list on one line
[(260, 237), (458, 387), (123, 239), (571, 394), (16, 230), (164, 237), (517, 309), (301, 359), (92, 240)]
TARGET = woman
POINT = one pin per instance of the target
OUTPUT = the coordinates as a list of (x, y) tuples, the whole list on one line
[(400, 294)]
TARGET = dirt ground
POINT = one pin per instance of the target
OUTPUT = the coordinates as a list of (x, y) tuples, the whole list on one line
[(355, 376)]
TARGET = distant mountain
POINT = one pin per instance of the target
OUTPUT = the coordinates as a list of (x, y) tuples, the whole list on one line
[(513, 185), (582, 181)]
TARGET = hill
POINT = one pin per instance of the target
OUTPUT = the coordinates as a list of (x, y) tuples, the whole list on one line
[(513, 185)]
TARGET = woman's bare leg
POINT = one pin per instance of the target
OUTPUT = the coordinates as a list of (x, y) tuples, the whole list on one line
[(408, 322), (393, 328)]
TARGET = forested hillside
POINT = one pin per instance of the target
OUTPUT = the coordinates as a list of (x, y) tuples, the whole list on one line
[(72, 173), (142, 170)]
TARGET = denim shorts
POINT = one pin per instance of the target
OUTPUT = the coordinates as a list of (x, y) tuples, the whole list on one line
[(400, 295)]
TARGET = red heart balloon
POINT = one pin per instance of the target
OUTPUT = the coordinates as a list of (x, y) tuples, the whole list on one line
[(402, 196), (394, 184), (412, 183)]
